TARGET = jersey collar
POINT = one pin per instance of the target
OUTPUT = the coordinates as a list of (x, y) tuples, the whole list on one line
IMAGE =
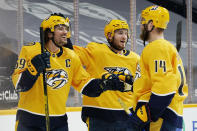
[(57, 54)]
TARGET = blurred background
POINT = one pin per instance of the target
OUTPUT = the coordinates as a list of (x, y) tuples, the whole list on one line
[(20, 21)]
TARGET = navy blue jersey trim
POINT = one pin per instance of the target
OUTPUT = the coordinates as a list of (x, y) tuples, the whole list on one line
[(168, 115), (104, 114), (126, 52), (29, 119), (60, 53), (158, 104), (26, 81), (93, 89), (173, 118)]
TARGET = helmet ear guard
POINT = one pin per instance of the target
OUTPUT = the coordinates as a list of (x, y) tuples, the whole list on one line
[(69, 32)]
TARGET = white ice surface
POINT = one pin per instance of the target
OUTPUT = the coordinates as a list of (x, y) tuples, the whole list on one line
[(7, 122)]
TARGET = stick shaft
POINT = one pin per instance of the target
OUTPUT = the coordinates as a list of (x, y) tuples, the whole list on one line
[(178, 35), (124, 106), (44, 84)]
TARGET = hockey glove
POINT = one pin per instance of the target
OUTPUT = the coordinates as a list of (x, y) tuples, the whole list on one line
[(141, 117), (127, 78), (111, 82), (41, 61), (124, 77)]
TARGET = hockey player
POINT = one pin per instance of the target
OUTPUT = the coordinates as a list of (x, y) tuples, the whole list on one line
[(104, 113), (63, 69), (160, 88)]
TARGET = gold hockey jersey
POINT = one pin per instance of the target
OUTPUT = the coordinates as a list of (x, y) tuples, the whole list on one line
[(161, 81), (66, 70), (97, 59)]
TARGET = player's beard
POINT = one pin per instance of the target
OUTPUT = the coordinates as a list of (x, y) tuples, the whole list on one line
[(144, 35), (60, 43), (116, 46)]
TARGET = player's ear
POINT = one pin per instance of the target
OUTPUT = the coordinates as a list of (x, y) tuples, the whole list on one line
[(50, 35), (150, 25), (109, 36)]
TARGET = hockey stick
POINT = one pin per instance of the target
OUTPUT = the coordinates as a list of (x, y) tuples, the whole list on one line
[(44, 84), (126, 109), (178, 35), (124, 106)]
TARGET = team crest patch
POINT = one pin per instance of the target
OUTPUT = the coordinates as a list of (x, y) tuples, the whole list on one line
[(120, 70), (56, 78), (154, 8), (138, 72)]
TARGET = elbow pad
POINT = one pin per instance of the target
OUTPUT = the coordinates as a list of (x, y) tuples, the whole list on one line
[(93, 88), (26, 81)]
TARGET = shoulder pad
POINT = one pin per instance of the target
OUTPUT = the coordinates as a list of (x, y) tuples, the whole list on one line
[(30, 44)]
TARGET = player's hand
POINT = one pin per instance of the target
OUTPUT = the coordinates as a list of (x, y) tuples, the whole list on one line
[(127, 78), (141, 117), (41, 61), (111, 82)]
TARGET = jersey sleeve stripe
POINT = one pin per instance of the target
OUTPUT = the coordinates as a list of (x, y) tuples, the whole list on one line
[(163, 94), (158, 104)]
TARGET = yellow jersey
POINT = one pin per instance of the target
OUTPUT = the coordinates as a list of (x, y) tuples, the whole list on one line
[(161, 81), (98, 58), (66, 70)]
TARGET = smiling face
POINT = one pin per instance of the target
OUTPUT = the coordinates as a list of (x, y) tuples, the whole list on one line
[(60, 35), (120, 39)]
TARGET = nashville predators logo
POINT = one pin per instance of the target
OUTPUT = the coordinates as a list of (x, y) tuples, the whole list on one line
[(138, 72), (119, 70), (56, 78)]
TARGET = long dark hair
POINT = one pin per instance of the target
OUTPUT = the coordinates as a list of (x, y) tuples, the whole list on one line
[(46, 33)]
